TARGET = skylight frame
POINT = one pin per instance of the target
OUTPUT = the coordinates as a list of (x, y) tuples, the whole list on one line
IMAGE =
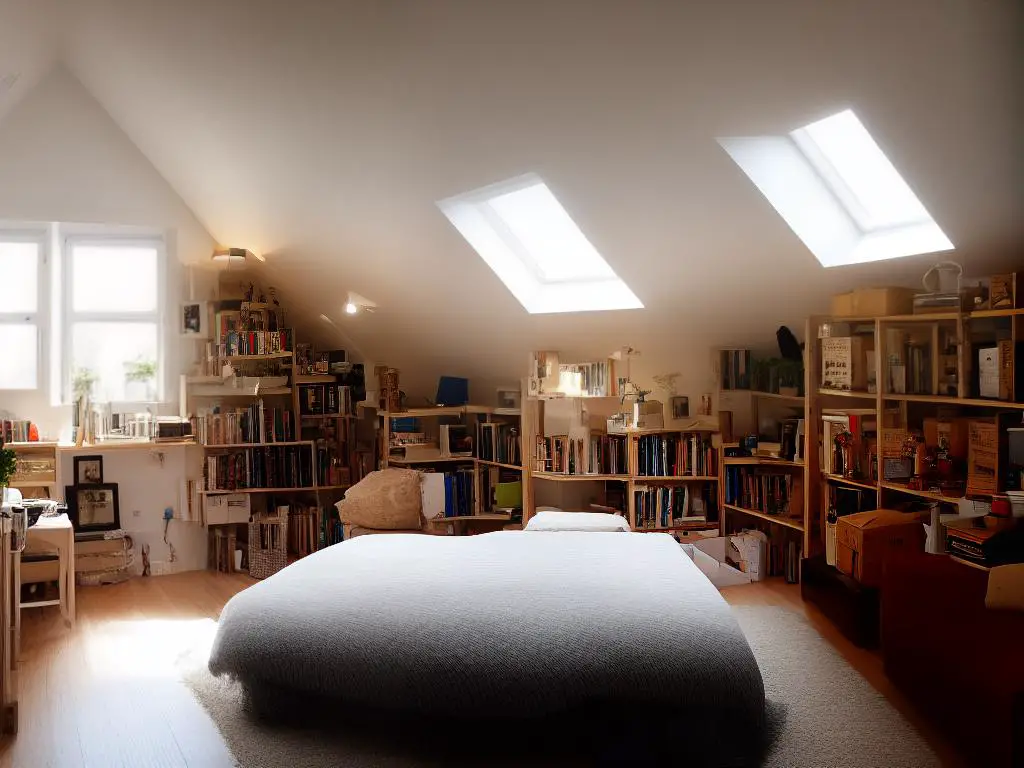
[(518, 267), (852, 202)]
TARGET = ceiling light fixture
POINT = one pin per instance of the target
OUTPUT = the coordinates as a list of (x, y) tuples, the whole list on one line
[(231, 256), (351, 309), (355, 304)]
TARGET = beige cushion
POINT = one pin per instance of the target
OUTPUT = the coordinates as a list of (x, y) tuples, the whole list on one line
[(1006, 588), (384, 500)]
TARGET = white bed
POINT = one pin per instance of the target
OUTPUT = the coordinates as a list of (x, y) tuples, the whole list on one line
[(504, 624)]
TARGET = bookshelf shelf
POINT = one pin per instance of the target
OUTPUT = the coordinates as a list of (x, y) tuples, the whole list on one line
[(488, 463), (930, 495), (675, 478), (765, 461), (968, 563), (931, 317), (35, 483), (319, 417), (201, 390), (972, 402), (435, 460), (848, 393), (246, 358), (794, 399), (983, 313), (789, 523), (694, 526), (221, 491), (485, 517), (850, 481), (670, 430), (558, 477), (332, 487), (259, 445)]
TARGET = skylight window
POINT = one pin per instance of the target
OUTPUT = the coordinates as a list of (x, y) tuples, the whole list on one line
[(838, 191), (858, 173), (525, 235)]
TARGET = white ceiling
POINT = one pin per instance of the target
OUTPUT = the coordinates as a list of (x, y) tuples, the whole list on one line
[(322, 133)]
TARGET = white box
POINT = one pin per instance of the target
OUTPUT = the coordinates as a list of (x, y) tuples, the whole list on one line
[(709, 555), (747, 551), (226, 509), (432, 495), (988, 372)]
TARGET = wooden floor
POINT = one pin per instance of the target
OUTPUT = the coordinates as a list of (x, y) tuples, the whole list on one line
[(107, 693)]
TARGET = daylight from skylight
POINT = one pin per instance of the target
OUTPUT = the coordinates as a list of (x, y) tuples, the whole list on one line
[(532, 244), (839, 192)]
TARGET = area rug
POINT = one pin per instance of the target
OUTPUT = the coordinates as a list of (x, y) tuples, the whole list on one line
[(821, 712)]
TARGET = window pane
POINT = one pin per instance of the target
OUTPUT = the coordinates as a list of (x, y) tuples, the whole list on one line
[(119, 356), (19, 352), (556, 244), (866, 171), (19, 277), (114, 279)]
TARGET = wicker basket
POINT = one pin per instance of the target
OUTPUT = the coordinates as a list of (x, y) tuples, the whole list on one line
[(268, 546)]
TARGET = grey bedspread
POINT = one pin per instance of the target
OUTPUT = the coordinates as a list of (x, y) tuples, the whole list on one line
[(506, 623)]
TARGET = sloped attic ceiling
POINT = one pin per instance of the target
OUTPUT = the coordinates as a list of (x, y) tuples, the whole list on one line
[(322, 134)]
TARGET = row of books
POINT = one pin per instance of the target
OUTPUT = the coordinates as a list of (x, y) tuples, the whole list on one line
[(664, 507), (271, 467), (734, 368), (255, 424), (676, 455), (588, 379), (18, 431), (305, 530), (325, 400), (330, 466), (450, 493), (766, 491), (254, 343), (599, 454), (499, 442)]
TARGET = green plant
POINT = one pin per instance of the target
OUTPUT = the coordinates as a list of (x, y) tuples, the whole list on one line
[(82, 382), (8, 466), (140, 370)]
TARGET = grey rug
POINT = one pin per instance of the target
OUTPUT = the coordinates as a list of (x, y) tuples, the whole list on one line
[(821, 712)]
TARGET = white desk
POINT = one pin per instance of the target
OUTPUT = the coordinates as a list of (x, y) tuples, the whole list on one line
[(57, 533)]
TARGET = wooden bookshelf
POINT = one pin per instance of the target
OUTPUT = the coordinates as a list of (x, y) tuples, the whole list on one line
[(283, 444), (764, 461), (296, 489), (499, 465), (948, 344), (561, 477), (778, 519), (857, 394), (654, 479)]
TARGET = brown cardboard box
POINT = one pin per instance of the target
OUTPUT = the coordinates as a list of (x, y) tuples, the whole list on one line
[(875, 302), (865, 540), (842, 304)]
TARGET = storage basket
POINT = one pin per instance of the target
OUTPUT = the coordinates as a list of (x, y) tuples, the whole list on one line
[(268, 546)]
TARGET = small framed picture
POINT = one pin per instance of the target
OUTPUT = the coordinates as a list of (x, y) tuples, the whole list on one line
[(193, 319), (94, 507), (680, 407), (88, 470)]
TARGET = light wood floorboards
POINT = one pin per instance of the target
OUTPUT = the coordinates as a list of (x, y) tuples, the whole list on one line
[(106, 694)]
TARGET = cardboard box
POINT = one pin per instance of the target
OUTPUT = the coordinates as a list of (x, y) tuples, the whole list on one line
[(866, 540), (844, 363), (876, 302), (709, 556), (1001, 294), (746, 552), (983, 454), (227, 508), (842, 304)]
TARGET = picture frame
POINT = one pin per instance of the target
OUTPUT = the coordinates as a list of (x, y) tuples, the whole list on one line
[(192, 320), (94, 507), (88, 470), (680, 405)]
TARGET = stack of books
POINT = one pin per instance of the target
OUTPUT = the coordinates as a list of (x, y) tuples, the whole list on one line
[(269, 467), (255, 424)]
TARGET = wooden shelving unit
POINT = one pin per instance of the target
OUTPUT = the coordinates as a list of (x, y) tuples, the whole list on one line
[(949, 353), (785, 521), (486, 472)]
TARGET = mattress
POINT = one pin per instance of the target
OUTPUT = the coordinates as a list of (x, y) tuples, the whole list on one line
[(500, 624)]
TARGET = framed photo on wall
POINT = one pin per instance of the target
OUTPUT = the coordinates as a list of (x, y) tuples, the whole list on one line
[(94, 507), (88, 470), (680, 406), (193, 319)]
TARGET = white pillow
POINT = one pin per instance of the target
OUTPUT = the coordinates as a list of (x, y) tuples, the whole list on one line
[(596, 522)]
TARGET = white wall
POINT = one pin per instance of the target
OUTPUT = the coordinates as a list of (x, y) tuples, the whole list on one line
[(62, 158)]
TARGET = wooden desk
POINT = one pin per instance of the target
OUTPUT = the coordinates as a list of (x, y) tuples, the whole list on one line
[(57, 533)]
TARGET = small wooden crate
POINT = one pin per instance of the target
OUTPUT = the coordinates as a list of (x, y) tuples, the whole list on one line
[(268, 546)]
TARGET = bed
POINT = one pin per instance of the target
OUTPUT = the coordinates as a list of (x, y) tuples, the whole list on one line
[(502, 624)]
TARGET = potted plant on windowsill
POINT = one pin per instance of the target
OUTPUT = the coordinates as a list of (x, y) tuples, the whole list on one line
[(140, 380), (8, 467)]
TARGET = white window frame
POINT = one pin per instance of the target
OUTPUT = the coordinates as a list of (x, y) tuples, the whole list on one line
[(39, 318), (69, 316)]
